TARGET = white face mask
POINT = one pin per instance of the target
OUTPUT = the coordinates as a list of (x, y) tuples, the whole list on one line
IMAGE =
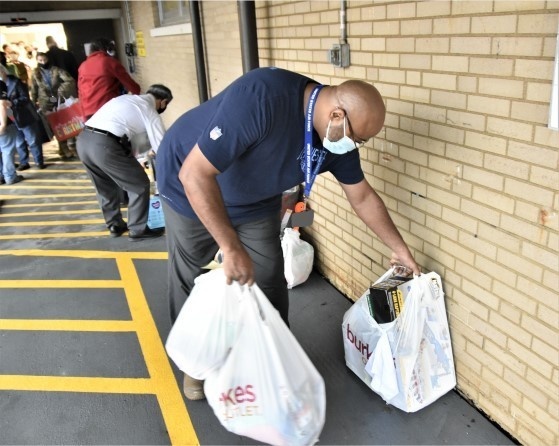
[(341, 146)]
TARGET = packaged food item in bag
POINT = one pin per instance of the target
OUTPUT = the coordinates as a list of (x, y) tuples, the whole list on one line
[(409, 360)]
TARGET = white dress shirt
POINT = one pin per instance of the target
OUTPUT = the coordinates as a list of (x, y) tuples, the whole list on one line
[(130, 115)]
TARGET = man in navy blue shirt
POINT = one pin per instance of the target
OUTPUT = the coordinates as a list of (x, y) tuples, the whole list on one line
[(222, 168)]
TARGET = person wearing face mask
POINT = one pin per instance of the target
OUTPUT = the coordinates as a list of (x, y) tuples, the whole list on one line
[(104, 148), (222, 168), (51, 84), (101, 77)]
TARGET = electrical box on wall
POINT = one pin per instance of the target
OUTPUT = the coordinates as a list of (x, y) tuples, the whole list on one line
[(338, 55)]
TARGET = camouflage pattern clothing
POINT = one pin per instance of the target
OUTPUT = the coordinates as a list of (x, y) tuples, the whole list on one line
[(48, 86)]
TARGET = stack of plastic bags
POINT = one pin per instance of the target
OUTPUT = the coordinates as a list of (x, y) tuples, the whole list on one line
[(258, 380)]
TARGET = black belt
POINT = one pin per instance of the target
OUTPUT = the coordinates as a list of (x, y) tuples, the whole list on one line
[(104, 132)]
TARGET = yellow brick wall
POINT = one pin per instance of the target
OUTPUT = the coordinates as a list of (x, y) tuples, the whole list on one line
[(466, 166)]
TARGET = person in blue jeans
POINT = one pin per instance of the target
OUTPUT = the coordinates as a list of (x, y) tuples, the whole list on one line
[(27, 139), (8, 132), (28, 130)]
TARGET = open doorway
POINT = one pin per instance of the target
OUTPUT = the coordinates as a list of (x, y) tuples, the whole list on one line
[(27, 40)]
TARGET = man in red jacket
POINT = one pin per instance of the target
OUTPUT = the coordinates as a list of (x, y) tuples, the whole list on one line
[(100, 78)]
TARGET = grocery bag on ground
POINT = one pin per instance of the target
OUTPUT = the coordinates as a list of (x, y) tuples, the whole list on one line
[(156, 219), (267, 389), (298, 256), (206, 326), (408, 361)]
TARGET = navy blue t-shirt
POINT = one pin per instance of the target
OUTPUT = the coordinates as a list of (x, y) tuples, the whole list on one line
[(252, 132)]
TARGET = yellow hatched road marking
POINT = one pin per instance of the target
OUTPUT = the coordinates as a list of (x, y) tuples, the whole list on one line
[(64, 187), (58, 203), (168, 394), (54, 223), (59, 180), (67, 325), (76, 384), (141, 255), (41, 196), (53, 235), (34, 213), (18, 283), (162, 382)]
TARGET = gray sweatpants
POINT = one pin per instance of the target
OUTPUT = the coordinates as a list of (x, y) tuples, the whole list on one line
[(191, 247), (111, 167)]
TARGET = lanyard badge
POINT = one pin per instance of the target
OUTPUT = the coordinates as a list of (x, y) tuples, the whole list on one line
[(302, 215)]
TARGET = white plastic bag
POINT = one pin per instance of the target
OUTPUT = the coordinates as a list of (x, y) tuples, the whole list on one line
[(418, 342), (206, 326), (267, 389), (298, 256)]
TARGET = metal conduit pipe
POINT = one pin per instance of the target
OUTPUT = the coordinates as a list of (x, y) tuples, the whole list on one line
[(343, 21), (249, 40), (199, 56)]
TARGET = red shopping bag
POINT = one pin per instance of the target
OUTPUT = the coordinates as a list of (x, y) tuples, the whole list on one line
[(68, 121)]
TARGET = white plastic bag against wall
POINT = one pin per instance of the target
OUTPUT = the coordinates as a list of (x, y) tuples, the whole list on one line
[(409, 361), (206, 326), (267, 389), (298, 256)]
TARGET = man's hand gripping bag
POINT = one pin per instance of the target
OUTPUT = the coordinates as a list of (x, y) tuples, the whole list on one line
[(206, 326), (267, 389)]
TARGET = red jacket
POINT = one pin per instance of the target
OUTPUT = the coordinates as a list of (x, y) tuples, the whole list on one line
[(99, 80)]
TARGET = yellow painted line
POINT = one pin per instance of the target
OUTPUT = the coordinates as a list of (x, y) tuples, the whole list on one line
[(53, 235), (42, 196), (34, 213), (67, 325), (94, 221), (55, 170), (58, 204), (76, 384), (64, 187), (142, 255), (60, 180), (37, 283), (176, 417)]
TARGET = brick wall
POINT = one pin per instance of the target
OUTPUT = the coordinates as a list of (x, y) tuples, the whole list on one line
[(466, 166)]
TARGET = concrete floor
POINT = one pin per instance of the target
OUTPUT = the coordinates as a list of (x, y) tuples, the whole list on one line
[(83, 319)]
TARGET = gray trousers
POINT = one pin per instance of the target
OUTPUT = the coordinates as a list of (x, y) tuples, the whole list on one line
[(191, 247), (112, 167)]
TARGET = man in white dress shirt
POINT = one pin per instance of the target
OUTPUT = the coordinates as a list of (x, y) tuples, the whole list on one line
[(104, 149)]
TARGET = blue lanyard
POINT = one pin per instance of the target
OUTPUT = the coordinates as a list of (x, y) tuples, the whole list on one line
[(310, 173)]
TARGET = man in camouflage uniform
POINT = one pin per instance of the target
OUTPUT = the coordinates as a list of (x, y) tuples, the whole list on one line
[(49, 83)]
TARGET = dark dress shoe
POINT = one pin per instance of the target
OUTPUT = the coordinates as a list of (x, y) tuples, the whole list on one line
[(117, 230), (22, 167), (145, 234), (17, 179), (41, 166)]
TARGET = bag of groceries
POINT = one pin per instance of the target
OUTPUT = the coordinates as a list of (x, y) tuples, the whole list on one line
[(396, 339)]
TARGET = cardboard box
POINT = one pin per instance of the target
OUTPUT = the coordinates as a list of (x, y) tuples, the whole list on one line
[(386, 299)]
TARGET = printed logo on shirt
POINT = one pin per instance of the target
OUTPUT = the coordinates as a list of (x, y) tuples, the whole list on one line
[(215, 133), (317, 156)]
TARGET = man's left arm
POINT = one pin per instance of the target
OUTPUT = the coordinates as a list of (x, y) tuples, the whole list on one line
[(154, 128), (370, 208)]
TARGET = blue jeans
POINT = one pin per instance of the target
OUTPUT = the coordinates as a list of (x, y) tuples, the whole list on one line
[(29, 136), (8, 148)]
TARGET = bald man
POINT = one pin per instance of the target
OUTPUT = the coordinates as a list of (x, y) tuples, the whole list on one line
[(222, 168)]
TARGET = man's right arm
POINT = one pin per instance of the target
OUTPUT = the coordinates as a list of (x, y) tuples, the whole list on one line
[(125, 79), (198, 177)]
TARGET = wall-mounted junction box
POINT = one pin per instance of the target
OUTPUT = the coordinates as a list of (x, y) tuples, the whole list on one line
[(338, 55)]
